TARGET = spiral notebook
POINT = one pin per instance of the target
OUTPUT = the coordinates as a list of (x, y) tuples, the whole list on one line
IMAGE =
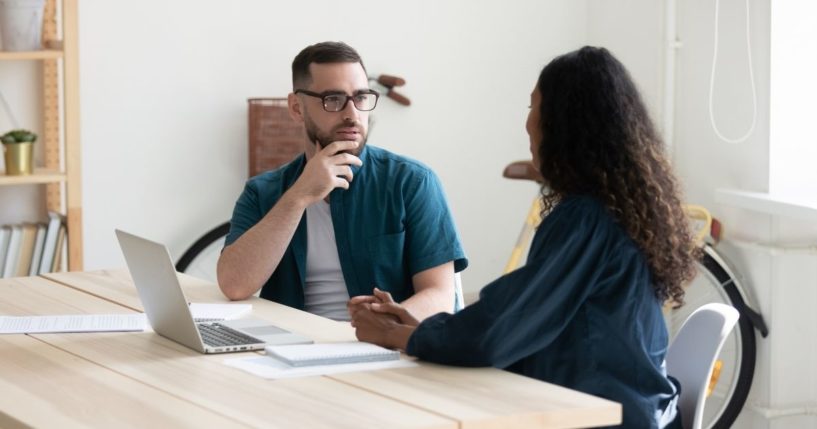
[(331, 353)]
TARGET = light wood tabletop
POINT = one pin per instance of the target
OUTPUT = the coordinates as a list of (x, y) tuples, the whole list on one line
[(202, 381), (486, 397), (426, 396), (43, 385), (117, 286)]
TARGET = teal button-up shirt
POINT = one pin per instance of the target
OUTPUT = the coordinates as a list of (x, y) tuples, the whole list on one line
[(392, 222)]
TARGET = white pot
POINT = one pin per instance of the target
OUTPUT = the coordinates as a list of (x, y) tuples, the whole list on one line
[(21, 23)]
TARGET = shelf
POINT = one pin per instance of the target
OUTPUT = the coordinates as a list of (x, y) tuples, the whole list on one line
[(787, 206), (39, 176), (46, 54), (57, 178)]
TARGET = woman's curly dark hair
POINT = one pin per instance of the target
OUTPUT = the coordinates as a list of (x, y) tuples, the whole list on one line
[(598, 139)]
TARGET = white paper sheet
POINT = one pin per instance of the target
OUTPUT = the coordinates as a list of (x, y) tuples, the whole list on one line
[(72, 323), (207, 312), (269, 367)]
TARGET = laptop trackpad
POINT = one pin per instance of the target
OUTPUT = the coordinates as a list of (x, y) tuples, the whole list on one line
[(266, 332), (263, 330)]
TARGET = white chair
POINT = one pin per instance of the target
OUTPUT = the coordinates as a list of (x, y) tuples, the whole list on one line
[(692, 354), (459, 301)]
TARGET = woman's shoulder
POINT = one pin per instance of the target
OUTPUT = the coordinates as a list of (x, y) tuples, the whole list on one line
[(583, 215), (580, 209), (583, 225), (581, 201)]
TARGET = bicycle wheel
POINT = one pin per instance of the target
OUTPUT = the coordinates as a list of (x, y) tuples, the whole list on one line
[(735, 365), (201, 258)]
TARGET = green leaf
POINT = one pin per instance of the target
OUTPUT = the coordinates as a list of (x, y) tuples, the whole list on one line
[(18, 136)]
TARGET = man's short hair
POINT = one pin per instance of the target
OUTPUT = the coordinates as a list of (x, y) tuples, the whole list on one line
[(321, 53)]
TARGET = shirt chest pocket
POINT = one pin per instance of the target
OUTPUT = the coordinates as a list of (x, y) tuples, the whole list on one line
[(387, 262)]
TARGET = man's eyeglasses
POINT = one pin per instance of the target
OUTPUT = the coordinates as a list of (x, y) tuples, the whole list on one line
[(334, 102)]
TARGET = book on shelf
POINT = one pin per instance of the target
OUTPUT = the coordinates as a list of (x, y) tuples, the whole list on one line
[(27, 240), (28, 249), (55, 266), (52, 233), (13, 253), (37, 255), (5, 235)]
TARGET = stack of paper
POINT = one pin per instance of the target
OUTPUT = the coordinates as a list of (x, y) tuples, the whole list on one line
[(331, 353), (72, 323), (271, 368)]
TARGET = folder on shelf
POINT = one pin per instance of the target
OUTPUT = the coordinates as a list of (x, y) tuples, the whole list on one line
[(5, 235), (27, 242), (37, 255), (52, 233), (10, 266), (55, 265)]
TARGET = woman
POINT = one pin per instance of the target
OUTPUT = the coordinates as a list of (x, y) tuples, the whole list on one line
[(585, 310)]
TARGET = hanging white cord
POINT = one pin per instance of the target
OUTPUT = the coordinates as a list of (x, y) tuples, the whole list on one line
[(751, 78), (8, 111)]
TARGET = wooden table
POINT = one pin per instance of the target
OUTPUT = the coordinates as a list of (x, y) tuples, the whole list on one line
[(142, 379)]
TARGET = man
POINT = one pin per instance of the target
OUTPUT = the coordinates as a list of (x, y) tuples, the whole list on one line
[(344, 217)]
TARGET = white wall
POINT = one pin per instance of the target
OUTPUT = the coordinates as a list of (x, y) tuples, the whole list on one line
[(781, 279), (793, 91), (632, 31), (164, 88)]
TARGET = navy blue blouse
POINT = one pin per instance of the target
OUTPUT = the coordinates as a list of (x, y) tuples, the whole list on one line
[(581, 313)]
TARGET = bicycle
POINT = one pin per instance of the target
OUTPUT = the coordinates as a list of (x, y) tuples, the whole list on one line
[(200, 259), (717, 281)]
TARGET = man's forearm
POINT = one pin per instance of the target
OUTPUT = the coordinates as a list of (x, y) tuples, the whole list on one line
[(429, 302), (433, 291), (245, 265)]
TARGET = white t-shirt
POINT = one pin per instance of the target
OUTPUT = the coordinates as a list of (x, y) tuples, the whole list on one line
[(325, 292)]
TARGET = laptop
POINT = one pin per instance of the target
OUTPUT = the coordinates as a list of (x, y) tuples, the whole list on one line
[(168, 312)]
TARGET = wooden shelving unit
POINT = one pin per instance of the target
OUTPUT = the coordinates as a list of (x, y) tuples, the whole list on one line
[(40, 176), (60, 172), (49, 54)]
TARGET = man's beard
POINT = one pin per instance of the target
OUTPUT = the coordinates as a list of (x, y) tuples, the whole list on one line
[(316, 136)]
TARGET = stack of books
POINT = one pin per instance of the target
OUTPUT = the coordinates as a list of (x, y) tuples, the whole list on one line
[(29, 249)]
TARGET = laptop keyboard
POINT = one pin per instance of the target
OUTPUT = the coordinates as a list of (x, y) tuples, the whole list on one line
[(218, 335)]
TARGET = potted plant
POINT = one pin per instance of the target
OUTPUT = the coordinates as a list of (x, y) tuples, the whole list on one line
[(18, 149)]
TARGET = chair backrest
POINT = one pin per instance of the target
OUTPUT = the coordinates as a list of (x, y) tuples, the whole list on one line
[(459, 301), (692, 354)]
